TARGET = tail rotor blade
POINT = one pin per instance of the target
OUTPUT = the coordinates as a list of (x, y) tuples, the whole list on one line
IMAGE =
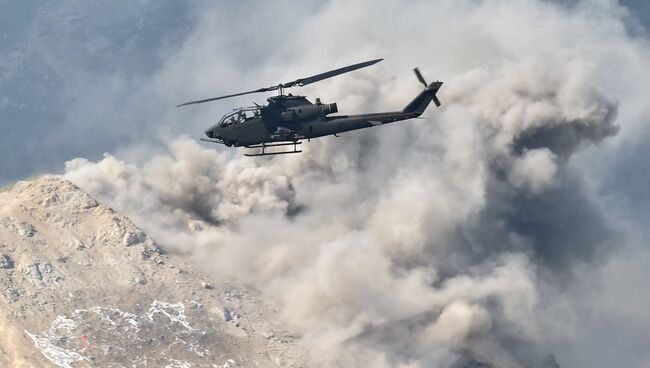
[(420, 77), (436, 101)]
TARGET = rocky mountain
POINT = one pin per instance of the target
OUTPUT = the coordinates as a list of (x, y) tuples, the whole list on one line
[(81, 286)]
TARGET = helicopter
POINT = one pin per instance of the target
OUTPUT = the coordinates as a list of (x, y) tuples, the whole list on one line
[(287, 120)]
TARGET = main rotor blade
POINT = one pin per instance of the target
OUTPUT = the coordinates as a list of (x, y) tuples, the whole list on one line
[(319, 77), (272, 88), (297, 82)]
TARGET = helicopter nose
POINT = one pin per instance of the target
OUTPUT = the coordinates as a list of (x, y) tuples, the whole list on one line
[(213, 133)]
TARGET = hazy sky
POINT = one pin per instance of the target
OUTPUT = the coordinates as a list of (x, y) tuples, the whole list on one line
[(509, 225), (71, 72)]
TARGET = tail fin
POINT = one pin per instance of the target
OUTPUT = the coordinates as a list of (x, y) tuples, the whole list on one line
[(421, 101)]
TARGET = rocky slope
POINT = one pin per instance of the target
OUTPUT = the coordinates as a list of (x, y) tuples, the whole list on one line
[(81, 286)]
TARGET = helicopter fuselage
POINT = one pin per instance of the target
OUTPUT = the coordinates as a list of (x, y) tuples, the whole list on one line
[(293, 118), (288, 119)]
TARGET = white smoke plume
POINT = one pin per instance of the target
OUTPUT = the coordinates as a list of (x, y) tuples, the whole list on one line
[(450, 241)]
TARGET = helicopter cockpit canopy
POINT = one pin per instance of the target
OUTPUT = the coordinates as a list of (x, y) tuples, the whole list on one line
[(239, 115)]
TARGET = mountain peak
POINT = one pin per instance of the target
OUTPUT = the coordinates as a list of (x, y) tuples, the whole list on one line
[(82, 285)]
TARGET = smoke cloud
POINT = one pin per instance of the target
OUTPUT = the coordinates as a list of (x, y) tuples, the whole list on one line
[(459, 240)]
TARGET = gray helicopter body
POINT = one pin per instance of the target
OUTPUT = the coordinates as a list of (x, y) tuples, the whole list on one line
[(288, 119)]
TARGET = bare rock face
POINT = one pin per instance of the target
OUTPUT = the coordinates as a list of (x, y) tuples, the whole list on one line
[(82, 286)]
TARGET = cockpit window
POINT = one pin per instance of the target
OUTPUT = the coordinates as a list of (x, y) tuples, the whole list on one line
[(239, 115)]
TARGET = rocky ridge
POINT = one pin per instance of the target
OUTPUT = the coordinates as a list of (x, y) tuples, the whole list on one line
[(81, 286)]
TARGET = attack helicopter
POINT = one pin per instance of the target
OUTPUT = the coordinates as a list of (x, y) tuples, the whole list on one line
[(287, 120)]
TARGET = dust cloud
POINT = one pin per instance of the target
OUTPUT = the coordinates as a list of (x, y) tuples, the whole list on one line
[(430, 243)]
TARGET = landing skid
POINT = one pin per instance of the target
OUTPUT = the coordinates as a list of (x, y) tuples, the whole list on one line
[(264, 146)]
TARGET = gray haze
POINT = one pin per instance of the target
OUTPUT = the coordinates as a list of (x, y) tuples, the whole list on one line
[(508, 227)]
